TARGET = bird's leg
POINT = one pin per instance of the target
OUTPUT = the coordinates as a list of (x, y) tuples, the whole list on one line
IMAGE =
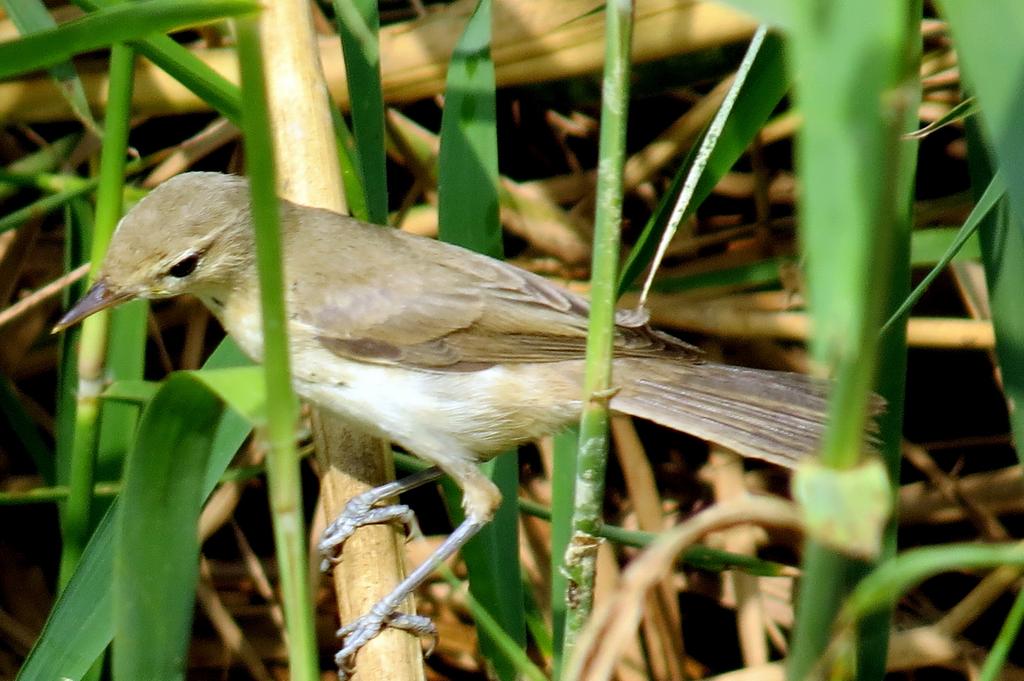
[(385, 612), (362, 510), (480, 499)]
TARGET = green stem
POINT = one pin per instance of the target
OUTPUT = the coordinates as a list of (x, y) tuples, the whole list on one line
[(77, 512), (282, 409), (581, 556), (1004, 642), (855, 183)]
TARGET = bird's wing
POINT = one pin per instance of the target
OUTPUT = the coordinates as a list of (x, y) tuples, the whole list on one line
[(441, 307)]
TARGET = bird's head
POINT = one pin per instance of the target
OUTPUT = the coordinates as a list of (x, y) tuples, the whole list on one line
[(192, 234)]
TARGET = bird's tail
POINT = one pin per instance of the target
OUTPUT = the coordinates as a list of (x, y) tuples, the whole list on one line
[(771, 415)]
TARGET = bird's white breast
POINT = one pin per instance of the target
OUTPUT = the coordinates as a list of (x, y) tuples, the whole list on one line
[(427, 412)]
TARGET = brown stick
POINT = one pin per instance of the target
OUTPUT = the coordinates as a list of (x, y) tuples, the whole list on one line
[(721, 318), (43, 294), (309, 174)]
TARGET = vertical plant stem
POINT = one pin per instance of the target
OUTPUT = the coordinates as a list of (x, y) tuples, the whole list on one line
[(996, 659), (873, 631), (855, 85), (78, 511), (592, 455), (563, 479), (282, 458)]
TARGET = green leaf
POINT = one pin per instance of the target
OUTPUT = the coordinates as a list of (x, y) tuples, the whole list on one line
[(242, 388), (1002, 254), (761, 91), (358, 25), (80, 626), (179, 63), (283, 464), (30, 16), (468, 160), (991, 59), (958, 113), (993, 193), (156, 559), (929, 246), (105, 27), (468, 216), (886, 585)]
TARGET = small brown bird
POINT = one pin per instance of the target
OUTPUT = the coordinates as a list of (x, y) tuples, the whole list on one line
[(453, 355)]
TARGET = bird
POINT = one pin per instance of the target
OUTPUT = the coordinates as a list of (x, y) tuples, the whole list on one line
[(450, 354)]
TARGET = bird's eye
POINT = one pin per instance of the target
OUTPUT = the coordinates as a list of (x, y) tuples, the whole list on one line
[(185, 266)]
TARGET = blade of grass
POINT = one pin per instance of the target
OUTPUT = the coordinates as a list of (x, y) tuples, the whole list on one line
[(80, 625), (707, 146), (991, 58), (282, 407), (563, 493), (993, 193), (1002, 254), (592, 455), (996, 658), (351, 175), (77, 237), (928, 246), (43, 160), (359, 25), (65, 188), (873, 637), (469, 159), (125, 360), (760, 91), (30, 16), (108, 26), (884, 586), (183, 66), (156, 556), (958, 113)]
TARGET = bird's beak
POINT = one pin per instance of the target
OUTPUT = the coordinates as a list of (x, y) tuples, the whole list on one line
[(99, 297)]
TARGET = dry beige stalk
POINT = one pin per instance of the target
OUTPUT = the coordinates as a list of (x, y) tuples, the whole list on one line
[(662, 623), (600, 645), (725, 469), (732, 317), (996, 492), (230, 633), (534, 41), (309, 174), (41, 295)]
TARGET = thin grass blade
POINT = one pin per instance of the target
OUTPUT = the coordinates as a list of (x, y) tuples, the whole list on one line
[(80, 625), (468, 216), (108, 26), (359, 24), (761, 91), (30, 16)]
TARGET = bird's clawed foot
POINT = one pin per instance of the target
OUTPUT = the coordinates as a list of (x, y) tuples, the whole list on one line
[(362, 510), (359, 632)]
